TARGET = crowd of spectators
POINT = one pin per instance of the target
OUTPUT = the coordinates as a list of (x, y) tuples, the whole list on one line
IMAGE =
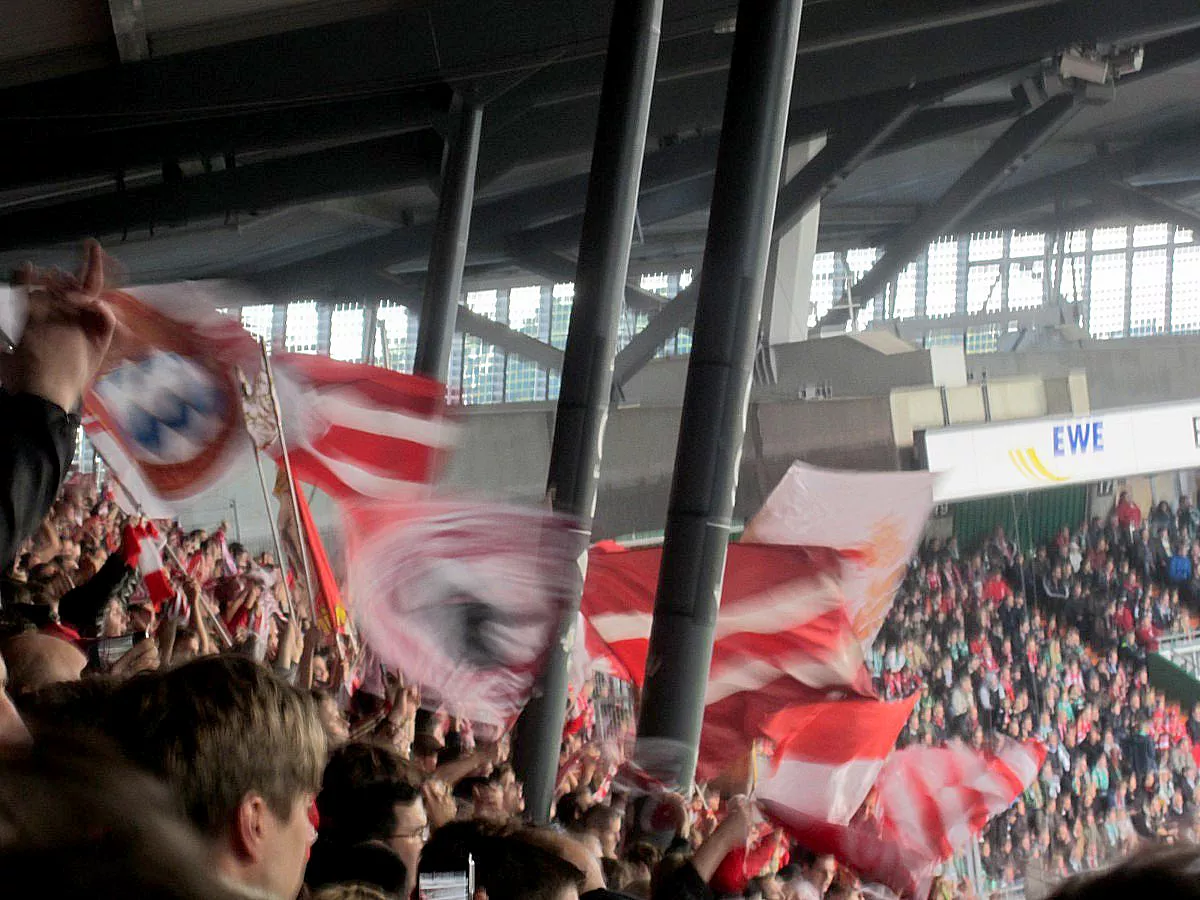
[(221, 744), (1052, 646)]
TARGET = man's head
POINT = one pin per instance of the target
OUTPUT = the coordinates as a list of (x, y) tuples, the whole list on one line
[(508, 865), (368, 795), (243, 753), (820, 872), (37, 660), (605, 823)]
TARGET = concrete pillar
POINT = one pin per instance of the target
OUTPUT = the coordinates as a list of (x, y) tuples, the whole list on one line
[(788, 302)]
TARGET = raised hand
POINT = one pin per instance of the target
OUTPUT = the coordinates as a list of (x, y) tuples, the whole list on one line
[(67, 333)]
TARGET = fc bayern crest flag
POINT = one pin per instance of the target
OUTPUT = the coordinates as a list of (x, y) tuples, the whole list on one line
[(165, 410)]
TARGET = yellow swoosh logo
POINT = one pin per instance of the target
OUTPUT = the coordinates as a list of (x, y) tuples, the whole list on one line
[(1029, 464)]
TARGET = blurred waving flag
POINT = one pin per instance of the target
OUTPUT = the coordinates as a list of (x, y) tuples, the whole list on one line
[(875, 517), (782, 637), (463, 599), (928, 803)]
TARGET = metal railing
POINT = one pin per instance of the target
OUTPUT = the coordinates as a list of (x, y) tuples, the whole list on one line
[(1183, 650)]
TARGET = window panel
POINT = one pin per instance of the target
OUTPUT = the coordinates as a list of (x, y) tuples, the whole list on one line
[(259, 320), (394, 324), (1025, 284), (564, 295), (1185, 291), (821, 291), (941, 285), (346, 332), (301, 332), (1116, 238), (905, 301), (485, 303), (1106, 311), (1027, 243), (984, 339), (1151, 235), (1148, 297), (983, 288), (987, 245)]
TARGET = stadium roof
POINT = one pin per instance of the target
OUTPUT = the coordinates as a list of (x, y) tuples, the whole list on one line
[(299, 143)]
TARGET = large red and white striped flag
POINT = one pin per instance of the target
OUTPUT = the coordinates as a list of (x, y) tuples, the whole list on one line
[(828, 756), (359, 433), (875, 518), (928, 803), (782, 636)]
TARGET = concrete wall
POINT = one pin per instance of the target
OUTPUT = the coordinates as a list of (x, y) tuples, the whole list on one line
[(849, 366), (505, 454), (1120, 373)]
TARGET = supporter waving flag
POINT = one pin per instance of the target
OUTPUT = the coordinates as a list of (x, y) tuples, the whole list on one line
[(782, 638), (360, 433), (140, 549)]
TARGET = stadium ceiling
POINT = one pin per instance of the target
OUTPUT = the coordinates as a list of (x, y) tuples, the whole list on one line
[(299, 144)]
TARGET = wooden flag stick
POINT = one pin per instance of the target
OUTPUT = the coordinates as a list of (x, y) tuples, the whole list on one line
[(287, 466), (280, 560)]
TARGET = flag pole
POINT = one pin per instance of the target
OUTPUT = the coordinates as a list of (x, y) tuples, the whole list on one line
[(287, 465), (262, 483), (222, 632)]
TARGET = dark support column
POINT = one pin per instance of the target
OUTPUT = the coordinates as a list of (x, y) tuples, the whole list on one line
[(591, 341), (449, 251), (1012, 148), (718, 384)]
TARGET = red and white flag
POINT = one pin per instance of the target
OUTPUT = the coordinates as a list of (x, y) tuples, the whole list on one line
[(360, 433), (828, 755), (782, 637), (929, 802), (463, 599), (165, 410), (139, 546), (875, 517), (941, 797)]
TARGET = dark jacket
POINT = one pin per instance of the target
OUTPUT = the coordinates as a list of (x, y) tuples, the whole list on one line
[(37, 444)]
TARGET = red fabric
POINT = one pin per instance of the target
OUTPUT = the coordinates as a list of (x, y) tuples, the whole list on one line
[(1128, 514), (328, 602), (64, 632), (739, 866), (783, 636)]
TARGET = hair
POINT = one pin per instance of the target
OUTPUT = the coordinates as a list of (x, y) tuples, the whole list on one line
[(79, 823), (617, 873), (362, 784), (371, 865), (599, 819), (1162, 873), (220, 728), (507, 865), (351, 892)]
